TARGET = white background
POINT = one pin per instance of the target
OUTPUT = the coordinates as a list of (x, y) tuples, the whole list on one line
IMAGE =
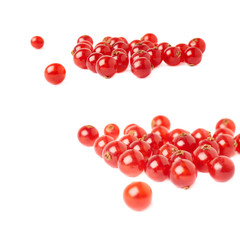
[(51, 187)]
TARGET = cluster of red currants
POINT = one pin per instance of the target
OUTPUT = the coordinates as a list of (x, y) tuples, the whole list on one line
[(176, 155), (112, 54)]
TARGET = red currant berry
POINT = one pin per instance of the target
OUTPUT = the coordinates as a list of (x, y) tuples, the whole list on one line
[(106, 66), (156, 56), (150, 37), (123, 39), (37, 42), (172, 56), (119, 50), (160, 120), (128, 126), (80, 46), (167, 150), (192, 56), (183, 47), (180, 154), (150, 44), (133, 43), (199, 43), (174, 133), (100, 143), (227, 145), (112, 151), (143, 147), (81, 56), (106, 39), (202, 156), (122, 61), (200, 134), (237, 139), (220, 131), (141, 67), (137, 196), (92, 60), (121, 45), (226, 123), (185, 142), (138, 47), (114, 40), (136, 131), (157, 168), (87, 135), (210, 141), (103, 49), (140, 54), (162, 46), (128, 139), (112, 130), (221, 169), (55, 73), (85, 38), (154, 140), (161, 131), (183, 173)]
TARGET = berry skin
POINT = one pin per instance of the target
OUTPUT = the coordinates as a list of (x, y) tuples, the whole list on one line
[(100, 143), (180, 154), (128, 139), (172, 56), (226, 123), (150, 37), (161, 131), (221, 169), (210, 141), (167, 150), (133, 43), (157, 168), (202, 156), (112, 130), (113, 40), (138, 47), (106, 66), (37, 42), (183, 173), (237, 139), (112, 151), (55, 73), (85, 38), (121, 45), (156, 56), (185, 142), (154, 140), (143, 147), (124, 40), (106, 39), (183, 47), (80, 46), (141, 67), (227, 145), (162, 46), (128, 126), (80, 57), (174, 133), (138, 196), (103, 49), (192, 56), (220, 131), (104, 43), (200, 134), (150, 44), (160, 120), (131, 163), (92, 60), (87, 135), (199, 43), (136, 131), (119, 50), (122, 61), (140, 54)]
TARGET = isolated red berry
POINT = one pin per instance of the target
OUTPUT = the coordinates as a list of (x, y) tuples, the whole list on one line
[(167, 150), (161, 131), (174, 133), (106, 66), (141, 67), (80, 46), (103, 49), (199, 43), (162, 46), (37, 42), (210, 141), (226, 123), (80, 57), (92, 61), (193, 56), (172, 56), (180, 154), (106, 39), (150, 37), (112, 130), (136, 131), (122, 61), (200, 134), (220, 131), (55, 73), (185, 142), (156, 56), (87, 135), (143, 147), (128, 139), (100, 143), (128, 126), (133, 43), (113, 40), (160, 120), (227, 145), (85, 38)]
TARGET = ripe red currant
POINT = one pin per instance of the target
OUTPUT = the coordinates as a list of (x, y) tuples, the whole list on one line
[(200, 134), (112, 130), (154, 140), (113, 40), (106, 39), (156, 56), (104, 43), (237, 139), (55, 73), (37, 42), (185, 142), (226, 123), (123, 39), (92, 60), (162, 46), (193, 56), (85, 38), (167, 150), (138, 47), (106, 66), (150, 44), (160, 120), (172, 56), (119, 50), (140, 54), (210, 141), (100, 143), (174, 133), (103, 49), (121, 45), (143, 147), (87, 135), (133, 43), (80, 46), (220, 131), (128, 139), (183, 47), (128, 126), (137, 196), (122, 61), (199, 43), (180, 154), (227, 145), (150, 37), (136, 131), (162, 131), (141, 67), (80, 57)]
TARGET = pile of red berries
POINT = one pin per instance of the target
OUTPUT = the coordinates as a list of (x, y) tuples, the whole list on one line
[(176, 155), (112, 54)]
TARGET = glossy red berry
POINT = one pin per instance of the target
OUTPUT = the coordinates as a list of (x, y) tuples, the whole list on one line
[(112, 151), (131, 163), (162, 46), (183, 173), (172, 56), (156, 56), (133, 43), (221, 169), (100, 143), (220, 131), (55, 73), (92, 61), (37, 42), (123, 39), (122, 61), (161, 131), (185, 142), (104, 43), (180, 154), (210, 141), (112, 130), (202, 156), (199, 43), (80, 46), (167, 150), (157, 168), (85, 38), (87, 135), (106, 66), (128, 139), (174, 133), (143, 147), (150, 37), (141, 67), (113, 40), (161, 120), (150, 44), (237, 139), (81, 56), (119, 50), (200, 134), (226, 123), (128, 126), (154, 140), (136, 131), (140, 54), (137, 196), (227, 145), (183, 47), (103, 49), (138, 47), (121, 45), (106, 39), (192, 56)]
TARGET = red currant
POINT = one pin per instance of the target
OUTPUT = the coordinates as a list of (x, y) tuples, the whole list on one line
[(199, 43), (221, 169), (106, 39), (136, 131), (85, 38), (183, 47), (92, 60), (133, 43), (141, 67), (200, 134), (55, 73), (185, 142), (150, 44), (119, 50), (121, 45), (114, 40), (123, 39), (174, 133), (80, 46), (161, 131), (80, 57), (37, 42), (122, 61), (103, 49), (112, 130), (180, 154), (104, 43), (210, 141), (128, 139), (227, 145), (156, 56), (193, 56), (106, 66), (138, 196), (154, 140), (167, 150), (172, 56), (100, 143), (128, 126), (143, 147), (138, 47), (160, 120), (140, 54), (162, 46), (237, 139), (220, 131), (150, 37), (226, 123), (87, 135)]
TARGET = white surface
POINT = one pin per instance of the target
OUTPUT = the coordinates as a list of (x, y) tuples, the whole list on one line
[(51, 187)]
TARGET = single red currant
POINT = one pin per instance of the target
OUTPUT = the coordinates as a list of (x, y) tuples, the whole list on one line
[(183, 47), (104, 43), (143, 147), (87, 135), (55, 73), (133, 43), (180, 154), (121, 45), (154, 140), (123, 39), (100, 143), (128, 126), (141, 67), (112, 130), (85, 38), (160, 120), (137, 196), (150, 37), (172, 56), (221, 169), (80, 46), (210, 141), (37, 42), (220, 131), (227, 145), (185, 142), (167, 150), (156, 56), (81, 56), (103, 49), (106, 39), (162, 46), (161, 131), (200, 134), (226, 123), (150, 44), (106, 66), (136, 131), (157, 168), (174, 133), (237, 139), (112, 151), (140, 54), (138, 47), (122, 61), (199, 43), (113, 40), (193, 56), (92, 60), (128, 139)]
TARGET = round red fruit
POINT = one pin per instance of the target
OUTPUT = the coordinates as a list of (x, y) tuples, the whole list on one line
[(140, 54), (122, 61), (160, 120), (106, 66), (210, 141), (37, 42), (103, 49), (227, 145), (128, 139), (87, 135), (92, 60), (183, 47), (100, 143), (112, 130), (199, 43), (113, 40), (172, 56), (143, 147), (119, 50), (180, 154), (121, 45), (162, 46), (200, 134), (136, 131), (80, 57), (167, 150), (156, 56), (185, 142), (138, 47), (85, 38), (55, 73), (161, 131), (150, 44), (226, 123), (128, 126), (80, 46), (193, 56), (141, 67), (220, 131), (150, 37), (174, 133), (133, 43), (154, 140)]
